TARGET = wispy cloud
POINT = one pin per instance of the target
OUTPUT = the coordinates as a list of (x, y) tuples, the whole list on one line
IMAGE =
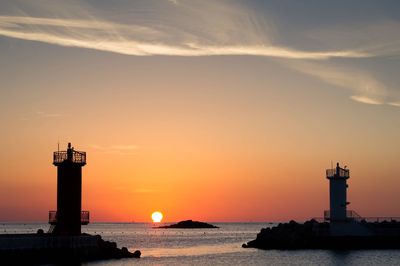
[(377, 38), (396, 104), (219, 29), (365, 99), (48, 115), (132, 47), (364, 87), (175, 2), (42, 115), (211, 28)]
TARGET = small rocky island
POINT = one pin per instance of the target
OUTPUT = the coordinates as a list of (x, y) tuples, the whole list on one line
[(316, 235), (189, 224)]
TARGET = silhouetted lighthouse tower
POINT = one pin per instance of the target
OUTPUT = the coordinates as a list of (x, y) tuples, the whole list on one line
[(68, 218), (338, 193)]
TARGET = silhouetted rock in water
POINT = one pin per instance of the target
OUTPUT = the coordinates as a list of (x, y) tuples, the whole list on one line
[(188, 224), (27, 249), (314, 235), (136, 253)]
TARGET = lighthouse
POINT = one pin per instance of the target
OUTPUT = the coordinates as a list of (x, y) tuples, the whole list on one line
[(69, 217), (337, 193)]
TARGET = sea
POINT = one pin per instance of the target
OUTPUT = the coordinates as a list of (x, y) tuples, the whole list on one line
[(222, 246)]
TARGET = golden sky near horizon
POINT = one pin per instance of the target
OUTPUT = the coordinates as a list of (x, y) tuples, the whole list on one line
[(203, 111)]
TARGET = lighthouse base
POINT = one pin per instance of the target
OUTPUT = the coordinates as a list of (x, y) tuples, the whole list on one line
[(349, 228)]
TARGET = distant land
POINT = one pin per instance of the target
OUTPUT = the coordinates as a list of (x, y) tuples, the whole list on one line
[(188, 224)]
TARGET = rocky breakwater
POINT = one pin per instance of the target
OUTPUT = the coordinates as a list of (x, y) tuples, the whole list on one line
[(27, 249), (315, 235), (109, 250)]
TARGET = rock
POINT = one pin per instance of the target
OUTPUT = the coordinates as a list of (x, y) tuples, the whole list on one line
[(110, 250), (189, 224), (137, 254)]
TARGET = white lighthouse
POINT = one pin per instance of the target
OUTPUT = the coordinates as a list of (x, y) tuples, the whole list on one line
[(343, 222), (337, 193)]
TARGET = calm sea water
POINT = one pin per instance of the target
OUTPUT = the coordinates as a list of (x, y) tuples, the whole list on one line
[(210, 246)]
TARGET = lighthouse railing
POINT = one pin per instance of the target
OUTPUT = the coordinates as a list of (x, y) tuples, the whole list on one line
[(381, 219), (77, 157), (354, 216), (85, 217), (350, 214), (334, 172)]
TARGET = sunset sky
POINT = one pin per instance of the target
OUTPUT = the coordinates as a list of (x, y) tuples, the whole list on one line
[(207, 110)]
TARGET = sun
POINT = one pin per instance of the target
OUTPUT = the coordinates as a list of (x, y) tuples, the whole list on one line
[(156, 217)]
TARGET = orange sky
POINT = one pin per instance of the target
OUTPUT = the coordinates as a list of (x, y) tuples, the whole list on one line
[(228, 114)]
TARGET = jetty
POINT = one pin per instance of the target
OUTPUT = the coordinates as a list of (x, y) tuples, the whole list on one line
[(64, 241), (338, 229)]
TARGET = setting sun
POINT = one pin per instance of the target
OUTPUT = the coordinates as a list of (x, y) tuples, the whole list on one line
[(156, 217)]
